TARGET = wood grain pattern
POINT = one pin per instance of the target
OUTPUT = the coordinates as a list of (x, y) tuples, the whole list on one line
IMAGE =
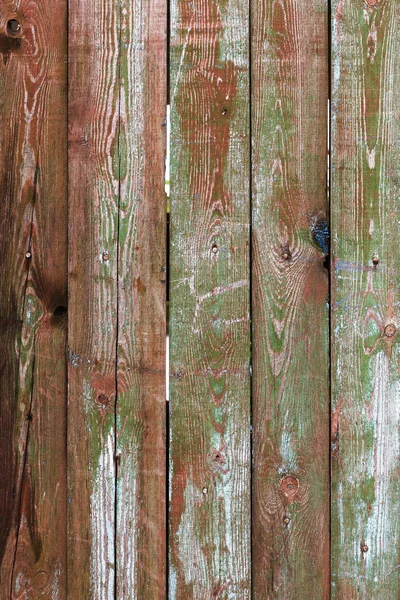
[(33, 277), (94, 166), (289, 301), (141, 415), (209, 323), (365, 286)]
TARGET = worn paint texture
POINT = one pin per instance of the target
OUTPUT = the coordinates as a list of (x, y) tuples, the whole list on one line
[(365, 301), (210, 341), (290, 293)]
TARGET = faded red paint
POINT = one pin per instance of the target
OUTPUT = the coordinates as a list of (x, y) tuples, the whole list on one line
[(205, 101)]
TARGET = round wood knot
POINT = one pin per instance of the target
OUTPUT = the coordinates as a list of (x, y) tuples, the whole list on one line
[(289, 487), (13, 27), (40, 580), (390, 330)]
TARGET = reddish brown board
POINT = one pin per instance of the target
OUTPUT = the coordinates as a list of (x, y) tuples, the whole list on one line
[(94, 39), (290, 292), (33, 298)]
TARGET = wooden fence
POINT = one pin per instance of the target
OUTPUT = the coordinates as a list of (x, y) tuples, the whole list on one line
[(273, 472)]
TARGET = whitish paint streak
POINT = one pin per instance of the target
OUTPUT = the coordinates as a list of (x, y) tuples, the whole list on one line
[(102, 524), (128, 526), (382, 528)]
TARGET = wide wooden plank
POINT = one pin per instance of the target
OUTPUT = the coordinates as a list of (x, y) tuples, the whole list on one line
[(33, 298), (141, 435), (290, 315), (365, 287), (209, 301), (94, 165)]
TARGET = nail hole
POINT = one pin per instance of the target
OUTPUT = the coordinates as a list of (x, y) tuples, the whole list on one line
[(326, 262), (364, 548), (13, 27), (224, 111), (60, 311)]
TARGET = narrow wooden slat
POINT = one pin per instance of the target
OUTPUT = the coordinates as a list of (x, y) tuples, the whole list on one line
[(94, 163), (290, 292), (365, 285), (209, 295), (141, 451), (33, 299)]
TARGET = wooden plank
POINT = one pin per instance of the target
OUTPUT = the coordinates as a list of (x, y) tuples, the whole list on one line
[(141, 427), (209, 296), (33, 298), (94, 164), (365, 286), (289, 302)]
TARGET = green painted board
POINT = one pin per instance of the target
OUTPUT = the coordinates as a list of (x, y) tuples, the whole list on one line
[(290, 314), (209, 531), (365, 299)]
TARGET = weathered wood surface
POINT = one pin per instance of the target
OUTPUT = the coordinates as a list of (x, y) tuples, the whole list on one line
[(209, 326), (289, 301), (141, 428), (94, 164), (117, 514), (33, 277), (365, 300)]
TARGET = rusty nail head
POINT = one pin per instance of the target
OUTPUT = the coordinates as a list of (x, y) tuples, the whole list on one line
[(286, 520), (375, 260)]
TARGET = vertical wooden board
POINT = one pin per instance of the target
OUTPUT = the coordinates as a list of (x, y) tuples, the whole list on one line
[(365, 286), (141, 443), (209, 294), (33, 288), (94, 164), (290, 293)]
